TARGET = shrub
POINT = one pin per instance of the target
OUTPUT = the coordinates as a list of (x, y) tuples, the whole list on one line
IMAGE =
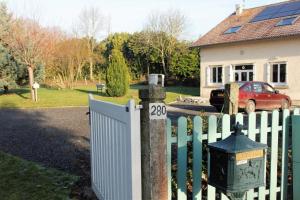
[(117, 76)]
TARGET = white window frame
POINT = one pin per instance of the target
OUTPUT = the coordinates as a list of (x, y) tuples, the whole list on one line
[(210, 76), (253, 70), (278, 83)]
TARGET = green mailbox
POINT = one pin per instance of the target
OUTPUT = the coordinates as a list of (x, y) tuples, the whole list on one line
[(237, 164)]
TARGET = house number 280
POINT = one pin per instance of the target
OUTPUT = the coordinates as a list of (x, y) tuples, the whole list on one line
[(157, 111)]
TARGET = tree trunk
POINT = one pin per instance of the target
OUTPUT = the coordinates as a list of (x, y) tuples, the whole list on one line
[(5, 89), (163, 63), (31, 81), (91, 69)]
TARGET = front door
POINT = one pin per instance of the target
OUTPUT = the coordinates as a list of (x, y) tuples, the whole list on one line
[(243, 73)]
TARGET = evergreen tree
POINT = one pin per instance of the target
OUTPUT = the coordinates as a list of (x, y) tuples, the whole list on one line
[(117, 76), (8, 69), (5, 19)]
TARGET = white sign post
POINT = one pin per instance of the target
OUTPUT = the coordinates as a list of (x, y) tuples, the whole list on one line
[(35, 86)]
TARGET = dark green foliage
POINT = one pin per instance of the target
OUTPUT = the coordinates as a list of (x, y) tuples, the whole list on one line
[(140, 56), (39, 73), (117, 76), (185, 62), (8, 69), (143, 57), (115, 41)]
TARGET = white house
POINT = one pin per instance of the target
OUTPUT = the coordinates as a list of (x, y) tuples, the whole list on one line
[(261, 44)]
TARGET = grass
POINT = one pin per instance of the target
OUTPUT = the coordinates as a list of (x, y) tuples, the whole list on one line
[(20, 98), (22, 179)]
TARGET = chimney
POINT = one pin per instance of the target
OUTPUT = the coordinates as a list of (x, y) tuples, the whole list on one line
[(239, 9)]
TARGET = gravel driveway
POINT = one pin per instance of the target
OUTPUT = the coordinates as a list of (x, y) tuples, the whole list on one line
[(53, 137), (56, 138)]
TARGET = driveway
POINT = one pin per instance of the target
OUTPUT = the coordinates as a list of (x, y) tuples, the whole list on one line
[(53, 137), (56, 138)]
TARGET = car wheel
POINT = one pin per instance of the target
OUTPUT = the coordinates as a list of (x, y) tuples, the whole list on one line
[(250, 106), (285, 104)]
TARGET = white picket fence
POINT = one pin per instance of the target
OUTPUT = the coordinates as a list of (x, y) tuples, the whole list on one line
[(115, 150)]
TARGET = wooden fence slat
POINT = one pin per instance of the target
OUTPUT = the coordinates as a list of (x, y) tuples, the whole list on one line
[(225, 126), (212, 137), (284, 155), (274, 154), (263, 139), (239, 118), (296, 156), (182, 158), (251, 135), (169, 157), (197, 158), (225, 133)]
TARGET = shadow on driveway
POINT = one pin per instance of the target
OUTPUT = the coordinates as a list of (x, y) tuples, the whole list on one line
[(56, 138)]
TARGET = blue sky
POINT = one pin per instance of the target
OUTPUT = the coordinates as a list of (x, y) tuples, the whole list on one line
[(130, 15)]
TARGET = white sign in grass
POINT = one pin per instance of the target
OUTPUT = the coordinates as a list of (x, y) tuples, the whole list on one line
[(157, 111)]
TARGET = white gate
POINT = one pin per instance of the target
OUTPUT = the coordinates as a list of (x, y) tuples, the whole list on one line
[(115, 150)]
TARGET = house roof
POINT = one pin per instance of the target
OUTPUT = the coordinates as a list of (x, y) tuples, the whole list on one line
[(259, 30)]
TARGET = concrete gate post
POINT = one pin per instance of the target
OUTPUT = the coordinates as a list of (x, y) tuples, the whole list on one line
[(231, 98), (153, 143)]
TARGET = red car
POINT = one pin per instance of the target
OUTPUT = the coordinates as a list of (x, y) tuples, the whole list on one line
[(252, 96)]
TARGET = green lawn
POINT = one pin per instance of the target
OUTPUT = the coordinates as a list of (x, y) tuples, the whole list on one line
[(21, 179), (20, 98)]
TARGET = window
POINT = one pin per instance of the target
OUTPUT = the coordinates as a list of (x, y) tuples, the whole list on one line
[(216, 75), (244, 73), (286, 21), (278, 73), (257, 87), (268, 88), (247, 88), (233, 30)]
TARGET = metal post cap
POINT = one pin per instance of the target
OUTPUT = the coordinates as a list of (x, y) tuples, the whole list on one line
[(238, 129)]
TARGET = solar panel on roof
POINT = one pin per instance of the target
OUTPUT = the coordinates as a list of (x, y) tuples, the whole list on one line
[(286, 21), (282, 10)]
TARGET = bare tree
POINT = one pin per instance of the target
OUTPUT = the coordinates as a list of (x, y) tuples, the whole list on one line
[(29, 42), (69, 58), (162, 30), (92, 25)]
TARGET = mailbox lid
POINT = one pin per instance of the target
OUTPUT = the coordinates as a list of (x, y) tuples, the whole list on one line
[(236, 144)]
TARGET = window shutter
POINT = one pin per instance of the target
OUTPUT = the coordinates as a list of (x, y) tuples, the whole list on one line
[(254, 72), (230, 73), (223, 75), (286, 74), (207, 76), (267, 73)]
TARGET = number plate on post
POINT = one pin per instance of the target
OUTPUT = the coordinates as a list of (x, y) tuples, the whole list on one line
[(157, 111)]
